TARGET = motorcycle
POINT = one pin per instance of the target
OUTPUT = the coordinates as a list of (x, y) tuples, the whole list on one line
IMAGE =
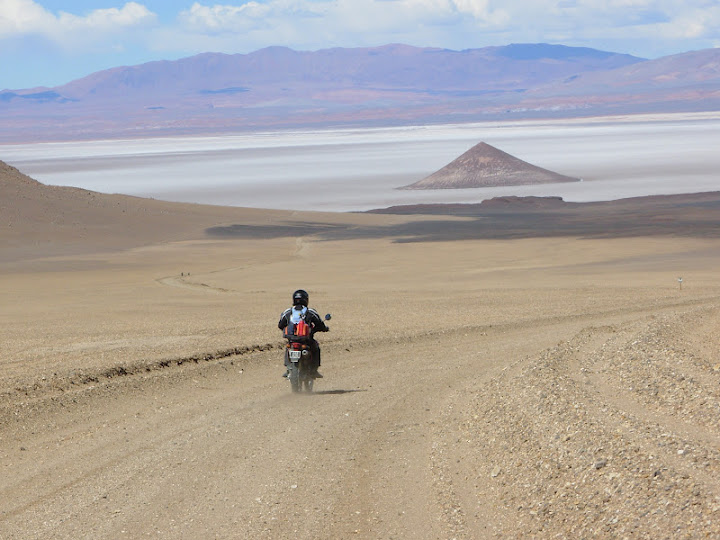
[(300, 362)]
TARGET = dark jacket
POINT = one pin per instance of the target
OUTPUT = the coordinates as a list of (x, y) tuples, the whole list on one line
[(311, 317)]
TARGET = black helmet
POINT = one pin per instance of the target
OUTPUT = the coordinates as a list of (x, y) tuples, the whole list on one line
[(300, 297)]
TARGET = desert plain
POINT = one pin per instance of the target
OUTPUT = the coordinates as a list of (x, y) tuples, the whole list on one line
[(542, 373)]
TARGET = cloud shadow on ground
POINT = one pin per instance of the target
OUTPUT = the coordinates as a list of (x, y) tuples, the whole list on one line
[(694, 215)]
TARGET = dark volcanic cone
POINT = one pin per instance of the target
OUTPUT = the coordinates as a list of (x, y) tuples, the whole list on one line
[(486, 166)]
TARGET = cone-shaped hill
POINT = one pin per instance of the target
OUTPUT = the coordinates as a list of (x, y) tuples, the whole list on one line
[(486, 166)]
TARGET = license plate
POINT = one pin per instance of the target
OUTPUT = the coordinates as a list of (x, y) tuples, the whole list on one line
[(295, 355)]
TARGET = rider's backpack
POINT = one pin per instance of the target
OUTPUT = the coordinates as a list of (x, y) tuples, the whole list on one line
[(298, 331), (302, 329)]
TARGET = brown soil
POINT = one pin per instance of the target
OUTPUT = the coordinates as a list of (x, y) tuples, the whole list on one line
[(40, 220), (483, 388)]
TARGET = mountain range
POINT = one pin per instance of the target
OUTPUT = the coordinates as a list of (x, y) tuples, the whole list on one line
[(276, 88)]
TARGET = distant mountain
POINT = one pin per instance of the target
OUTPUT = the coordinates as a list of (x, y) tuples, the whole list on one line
[(395, 84), (692, 79), (486, 166), (397, 68)]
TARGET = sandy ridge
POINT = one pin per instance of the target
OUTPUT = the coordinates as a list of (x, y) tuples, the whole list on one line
[(610, 433)]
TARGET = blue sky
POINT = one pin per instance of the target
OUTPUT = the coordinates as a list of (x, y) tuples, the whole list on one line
[(51, 42)]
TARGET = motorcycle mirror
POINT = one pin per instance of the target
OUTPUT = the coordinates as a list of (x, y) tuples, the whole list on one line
[(328, 317)]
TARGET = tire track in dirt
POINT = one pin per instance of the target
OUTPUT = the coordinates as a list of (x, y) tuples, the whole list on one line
[(98, 456), (182, 283), (20, 401), (302, 247), (412, 438), (653, 387), (301, 250)]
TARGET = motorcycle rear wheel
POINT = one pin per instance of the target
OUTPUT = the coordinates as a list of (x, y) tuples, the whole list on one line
[(307, 384), (294, 377)]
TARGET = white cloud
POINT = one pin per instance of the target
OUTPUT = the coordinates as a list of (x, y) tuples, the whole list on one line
[(310, 16), (652, 22), (26, 17), (131, 14), (636, 26), (221, 17), (480, 9), (22, 16), (696, 23)]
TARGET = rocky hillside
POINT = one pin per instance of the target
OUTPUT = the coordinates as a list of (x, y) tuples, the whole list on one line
[(55, 220)]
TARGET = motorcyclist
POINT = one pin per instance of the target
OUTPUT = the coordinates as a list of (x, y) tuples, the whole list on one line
[(300, 310)]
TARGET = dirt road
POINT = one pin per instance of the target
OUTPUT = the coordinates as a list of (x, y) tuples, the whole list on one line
[(226, 451), (397, 442), (476, 389)]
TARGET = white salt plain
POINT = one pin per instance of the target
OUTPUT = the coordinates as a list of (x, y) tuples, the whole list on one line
[(360, 169)]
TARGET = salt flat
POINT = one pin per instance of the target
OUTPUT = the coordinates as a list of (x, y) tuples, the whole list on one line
[(359, 169)]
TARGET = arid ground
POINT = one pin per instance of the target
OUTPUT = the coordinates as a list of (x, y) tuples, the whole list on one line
[(561, 384)]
